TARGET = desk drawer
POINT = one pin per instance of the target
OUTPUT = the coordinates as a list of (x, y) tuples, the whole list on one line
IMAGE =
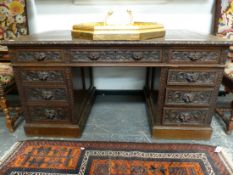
[(195, 56), (37, 93), (39, 56), (187, 116), (189, 97), (120, 56), (193, 77), (49, 114), (42, 75)]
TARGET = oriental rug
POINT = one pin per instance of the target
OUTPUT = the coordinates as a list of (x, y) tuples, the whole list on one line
[(40, 157)]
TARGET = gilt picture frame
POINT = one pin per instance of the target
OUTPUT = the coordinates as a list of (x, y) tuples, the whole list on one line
[(13, 19)]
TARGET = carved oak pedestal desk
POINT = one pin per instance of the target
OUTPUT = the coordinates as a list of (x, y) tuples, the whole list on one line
[(190, 66)]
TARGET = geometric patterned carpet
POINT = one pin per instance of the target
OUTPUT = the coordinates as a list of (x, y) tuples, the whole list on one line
[(41, 157)]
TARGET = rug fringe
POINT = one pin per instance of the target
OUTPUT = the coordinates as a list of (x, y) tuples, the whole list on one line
[(227, 158), (9, 152)]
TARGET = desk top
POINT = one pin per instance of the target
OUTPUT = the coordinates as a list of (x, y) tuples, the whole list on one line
[(178, 37)]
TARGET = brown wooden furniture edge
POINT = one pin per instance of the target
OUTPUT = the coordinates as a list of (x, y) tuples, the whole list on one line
[(174, 132)]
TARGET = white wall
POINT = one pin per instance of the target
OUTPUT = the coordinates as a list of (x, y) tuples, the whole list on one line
[(194, 15)]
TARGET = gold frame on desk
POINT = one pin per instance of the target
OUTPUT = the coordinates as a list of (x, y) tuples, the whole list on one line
[(101, 31)]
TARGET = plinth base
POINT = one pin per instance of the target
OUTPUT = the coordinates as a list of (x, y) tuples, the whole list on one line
[(172, 132)]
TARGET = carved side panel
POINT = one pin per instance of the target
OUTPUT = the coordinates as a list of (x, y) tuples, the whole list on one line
[(185, 116), (188, 97), (39, 56), (194, 56), (42, 76), (179, 77), (161, 96), (116, 56), (47, 94), (48, 114)]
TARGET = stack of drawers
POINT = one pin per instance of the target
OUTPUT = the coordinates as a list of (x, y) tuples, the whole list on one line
[(191, 91), (44, 89)]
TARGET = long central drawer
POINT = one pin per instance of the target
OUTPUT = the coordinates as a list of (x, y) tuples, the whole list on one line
[(115, 56)]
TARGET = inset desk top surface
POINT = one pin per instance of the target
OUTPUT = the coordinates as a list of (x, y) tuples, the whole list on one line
[(178, 37)]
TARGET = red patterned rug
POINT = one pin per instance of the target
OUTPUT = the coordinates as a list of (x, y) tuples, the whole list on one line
[(39, 157)]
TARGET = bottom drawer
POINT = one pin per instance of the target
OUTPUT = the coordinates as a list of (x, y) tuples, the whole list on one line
[(186, 116), (49, 114)]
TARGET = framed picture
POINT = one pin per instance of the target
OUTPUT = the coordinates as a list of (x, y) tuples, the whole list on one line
[(13, 19), (224, 18)]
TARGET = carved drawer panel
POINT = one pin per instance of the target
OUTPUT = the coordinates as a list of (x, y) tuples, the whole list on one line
[(192, 77), (142, 56), (187, 96), (187, 116), (49, 114), (115, 56), (39, 56), (42, 76), (194, 56), (45, 93)]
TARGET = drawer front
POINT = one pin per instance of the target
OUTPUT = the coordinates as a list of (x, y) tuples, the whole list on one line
[(188, 97), (41, 76), (39, 56), (49, 114), (194, 56), (116, 56), (192, 77), (187, 116), (45, 94)]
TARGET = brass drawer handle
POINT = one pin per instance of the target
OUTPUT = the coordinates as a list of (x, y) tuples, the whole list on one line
[(50, 114), (43, 76), (137, 56), (191, 77), (94, 56), (188, 97), (47, 95), (195, 56), (41, 56), (184, 117)]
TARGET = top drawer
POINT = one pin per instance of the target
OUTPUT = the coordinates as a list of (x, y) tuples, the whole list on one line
[(115, 56), (39, 56), (197, 56), (193, 77)]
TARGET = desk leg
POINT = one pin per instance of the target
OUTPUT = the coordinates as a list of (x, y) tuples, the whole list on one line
[(154, 94), (83, 97)]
